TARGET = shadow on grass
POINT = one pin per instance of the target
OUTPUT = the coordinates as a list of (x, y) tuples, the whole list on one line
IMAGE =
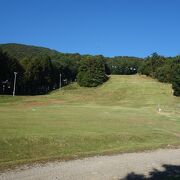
[(170, 172)]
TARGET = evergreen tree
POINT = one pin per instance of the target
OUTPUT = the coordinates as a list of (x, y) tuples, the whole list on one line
[(39, 75), (91, 71), (154, 62)]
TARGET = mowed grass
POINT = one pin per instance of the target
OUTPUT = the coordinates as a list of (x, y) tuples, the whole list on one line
[(119, 116)]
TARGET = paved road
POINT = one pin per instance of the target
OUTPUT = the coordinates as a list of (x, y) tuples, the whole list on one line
[(100, 168)]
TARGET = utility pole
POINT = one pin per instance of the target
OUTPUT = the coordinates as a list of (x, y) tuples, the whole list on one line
[(14, 89), (60, 81)]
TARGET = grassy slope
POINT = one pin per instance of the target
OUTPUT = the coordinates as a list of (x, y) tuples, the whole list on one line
[(119, 116)]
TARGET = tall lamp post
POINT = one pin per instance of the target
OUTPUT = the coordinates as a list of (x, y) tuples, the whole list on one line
[(14, 89), (60, 81)]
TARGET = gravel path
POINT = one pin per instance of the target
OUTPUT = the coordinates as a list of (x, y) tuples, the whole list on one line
[(100, 168)]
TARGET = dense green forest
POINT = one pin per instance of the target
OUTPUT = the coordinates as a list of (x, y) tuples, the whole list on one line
[(39, 69), (164, 69)]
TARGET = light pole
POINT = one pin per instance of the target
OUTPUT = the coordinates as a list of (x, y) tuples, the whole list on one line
[(14, 89), (59, 81)]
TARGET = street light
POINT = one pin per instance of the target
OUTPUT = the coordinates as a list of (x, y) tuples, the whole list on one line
[(14, 89), (60, 81)]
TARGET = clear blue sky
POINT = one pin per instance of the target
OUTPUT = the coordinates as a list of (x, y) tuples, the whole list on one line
[(108, 27)]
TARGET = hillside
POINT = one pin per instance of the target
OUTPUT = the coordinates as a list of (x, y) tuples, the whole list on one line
[(39, 68), (20, 51), (122, 115)]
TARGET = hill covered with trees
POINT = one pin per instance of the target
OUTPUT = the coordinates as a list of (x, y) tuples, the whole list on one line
[(39, 69), (21, 51)]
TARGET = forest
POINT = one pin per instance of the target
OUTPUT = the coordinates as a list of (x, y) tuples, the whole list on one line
[(41, 70)]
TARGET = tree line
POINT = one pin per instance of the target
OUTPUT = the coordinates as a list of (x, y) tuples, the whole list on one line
[(36, 75), (164, 69), (123, 65), (39, 69)]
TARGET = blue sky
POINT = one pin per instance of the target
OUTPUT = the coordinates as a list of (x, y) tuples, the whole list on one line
[(107, 27)]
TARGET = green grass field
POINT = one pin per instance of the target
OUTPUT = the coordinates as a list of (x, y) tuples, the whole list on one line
[(119, 116)]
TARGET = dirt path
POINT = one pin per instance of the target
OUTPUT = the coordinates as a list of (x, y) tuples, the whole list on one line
[(103, 167)]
